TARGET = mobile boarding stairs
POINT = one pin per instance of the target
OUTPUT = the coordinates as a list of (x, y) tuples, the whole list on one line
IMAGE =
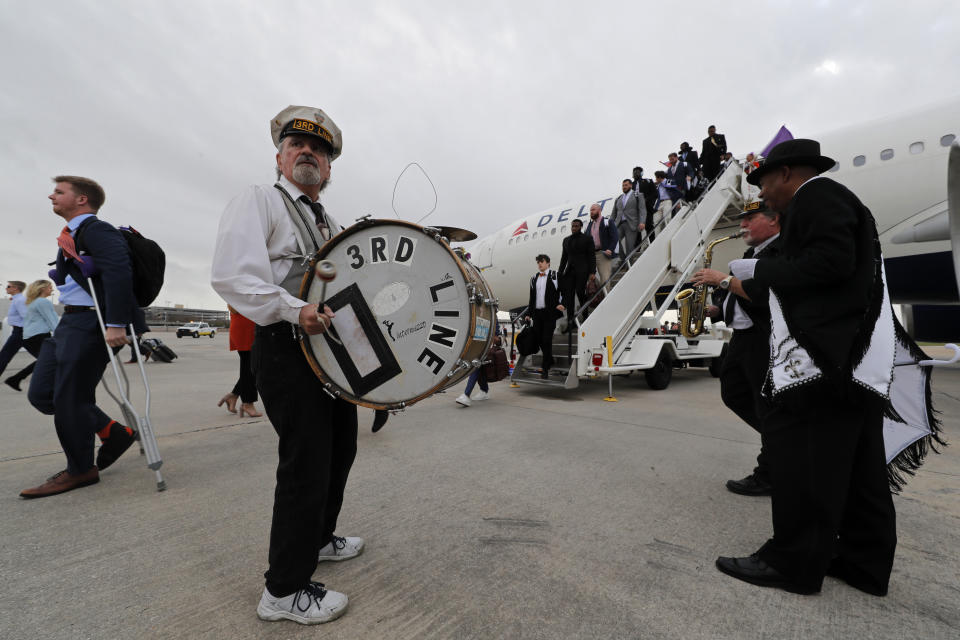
[(617, 337)]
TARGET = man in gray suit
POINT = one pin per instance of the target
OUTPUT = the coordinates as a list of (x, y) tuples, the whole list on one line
[(629, 212)]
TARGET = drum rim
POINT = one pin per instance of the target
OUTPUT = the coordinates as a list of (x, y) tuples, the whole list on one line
[(332, 387)]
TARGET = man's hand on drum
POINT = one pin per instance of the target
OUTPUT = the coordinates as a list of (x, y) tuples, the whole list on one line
[(312, 321)]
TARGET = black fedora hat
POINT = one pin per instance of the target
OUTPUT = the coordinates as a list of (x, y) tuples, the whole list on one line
[(789, 153)]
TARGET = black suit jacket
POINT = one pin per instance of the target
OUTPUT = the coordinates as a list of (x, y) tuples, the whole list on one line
[(113, 280), (578, 257), (552, 296), (712, 154), (692, 160), (827, 274), (678, 175)]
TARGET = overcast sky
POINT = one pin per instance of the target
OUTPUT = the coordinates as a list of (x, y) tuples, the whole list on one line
[(510, 107)]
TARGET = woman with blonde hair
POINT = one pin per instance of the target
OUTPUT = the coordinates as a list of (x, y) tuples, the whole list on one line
[(38, 325)]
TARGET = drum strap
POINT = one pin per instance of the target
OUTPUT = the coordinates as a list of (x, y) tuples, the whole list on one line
[(303, 229)]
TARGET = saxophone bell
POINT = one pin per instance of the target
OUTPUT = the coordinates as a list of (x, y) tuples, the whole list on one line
[(692, 303)]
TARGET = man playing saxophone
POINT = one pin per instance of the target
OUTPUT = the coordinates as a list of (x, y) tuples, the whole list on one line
[(745, 364)]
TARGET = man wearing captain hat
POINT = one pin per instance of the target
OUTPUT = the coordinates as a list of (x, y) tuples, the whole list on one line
[(264, 236), (828, 380), (745, 363)]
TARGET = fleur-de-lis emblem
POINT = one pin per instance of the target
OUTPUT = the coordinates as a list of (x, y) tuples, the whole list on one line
[(792, 368)]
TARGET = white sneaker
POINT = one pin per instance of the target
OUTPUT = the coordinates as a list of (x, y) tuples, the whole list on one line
[(464, 399), (341, 549), (311, 605), (480, 395)]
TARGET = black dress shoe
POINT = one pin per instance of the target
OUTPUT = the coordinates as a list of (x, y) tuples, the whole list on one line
[(755, 571), (545, 373), (750, 486), (13, 383)]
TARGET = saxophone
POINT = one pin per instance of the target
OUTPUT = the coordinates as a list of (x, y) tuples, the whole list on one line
[(692, 303)]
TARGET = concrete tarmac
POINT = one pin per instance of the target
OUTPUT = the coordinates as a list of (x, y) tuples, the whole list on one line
[(534, 514)]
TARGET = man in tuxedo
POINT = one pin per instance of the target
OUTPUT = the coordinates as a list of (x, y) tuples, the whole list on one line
[(578, 264), (828, 380), (711, 154), (544, 307), (71, 363), (745, 363), (627, 216)]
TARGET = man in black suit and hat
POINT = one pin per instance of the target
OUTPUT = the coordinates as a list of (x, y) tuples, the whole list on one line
[(832, 350), (745, 363)]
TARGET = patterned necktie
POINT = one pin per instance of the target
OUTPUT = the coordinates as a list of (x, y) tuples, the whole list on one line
[(65, 240), (318, 216)]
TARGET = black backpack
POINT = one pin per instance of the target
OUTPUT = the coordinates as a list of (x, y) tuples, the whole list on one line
[(147, 261)]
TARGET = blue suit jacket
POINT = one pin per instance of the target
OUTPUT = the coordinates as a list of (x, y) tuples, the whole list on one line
[(679, 178), (113, 278), (608, 235)]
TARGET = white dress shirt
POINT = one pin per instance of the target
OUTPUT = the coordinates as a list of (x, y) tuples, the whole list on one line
[(542, 289), (740, 318), (71, 293), (256, 246)]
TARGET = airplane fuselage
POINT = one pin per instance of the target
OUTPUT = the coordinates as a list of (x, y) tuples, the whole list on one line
[(897, 166)]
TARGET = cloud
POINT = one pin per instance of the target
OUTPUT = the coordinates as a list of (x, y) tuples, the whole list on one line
[(511, 108)]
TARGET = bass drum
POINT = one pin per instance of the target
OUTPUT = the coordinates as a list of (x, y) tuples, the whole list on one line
[(411, 317)]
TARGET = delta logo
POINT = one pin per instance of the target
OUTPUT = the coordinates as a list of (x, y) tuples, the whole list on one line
[(521, 229)]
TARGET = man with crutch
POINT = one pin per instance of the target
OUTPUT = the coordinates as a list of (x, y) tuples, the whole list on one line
[(72, 362)]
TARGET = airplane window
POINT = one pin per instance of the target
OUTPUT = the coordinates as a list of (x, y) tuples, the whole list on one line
[(510, 241), (553, 231), (947, 140), (835, 167), (526, 237), (916, 147), (886, 154), (859, 161), (563, 229)]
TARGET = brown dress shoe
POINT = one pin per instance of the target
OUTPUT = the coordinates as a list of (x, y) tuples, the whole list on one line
[(61, 483)]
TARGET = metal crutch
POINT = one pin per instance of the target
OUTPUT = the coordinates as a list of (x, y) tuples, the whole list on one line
[(148, 440)]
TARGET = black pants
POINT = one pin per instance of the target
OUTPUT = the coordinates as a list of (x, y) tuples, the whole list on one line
[(317, 446), (741, 379), (32, 345), (574, 284), (830, 492), (544, 323), (64, 385), (246, 386)]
